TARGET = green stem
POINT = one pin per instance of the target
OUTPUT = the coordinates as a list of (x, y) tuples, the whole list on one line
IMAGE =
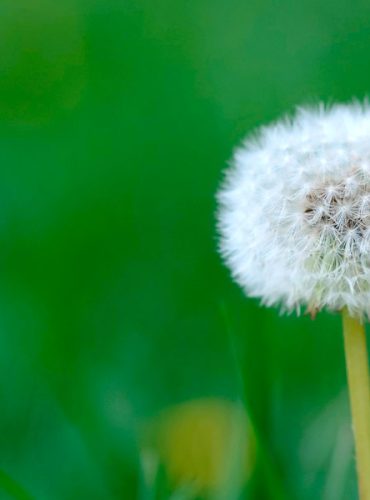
[(359, 392)]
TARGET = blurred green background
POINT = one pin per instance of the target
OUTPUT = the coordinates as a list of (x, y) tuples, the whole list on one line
[(117, 118)]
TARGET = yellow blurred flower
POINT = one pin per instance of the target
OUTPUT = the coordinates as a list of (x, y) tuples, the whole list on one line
[(208, 444)]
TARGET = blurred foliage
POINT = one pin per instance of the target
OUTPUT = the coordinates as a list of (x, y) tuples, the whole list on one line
[(117, 118)]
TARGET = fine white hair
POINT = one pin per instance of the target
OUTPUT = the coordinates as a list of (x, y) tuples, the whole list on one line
[(294, 211)]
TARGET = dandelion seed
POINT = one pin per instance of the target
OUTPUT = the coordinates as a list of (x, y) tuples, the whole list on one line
[(296, 191)]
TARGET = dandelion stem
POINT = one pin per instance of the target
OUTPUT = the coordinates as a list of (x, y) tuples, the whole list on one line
[(359, 391)]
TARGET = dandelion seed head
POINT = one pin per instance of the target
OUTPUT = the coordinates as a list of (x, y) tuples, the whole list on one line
[(294, 214)]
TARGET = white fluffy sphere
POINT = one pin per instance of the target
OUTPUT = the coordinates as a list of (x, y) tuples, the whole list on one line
[(294, 213)]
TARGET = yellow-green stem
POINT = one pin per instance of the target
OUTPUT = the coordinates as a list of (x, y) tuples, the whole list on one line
[(359, 391)]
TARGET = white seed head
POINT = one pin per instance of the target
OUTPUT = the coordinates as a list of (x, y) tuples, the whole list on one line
[(294, 213)]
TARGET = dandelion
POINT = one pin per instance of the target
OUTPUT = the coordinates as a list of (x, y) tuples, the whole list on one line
[(207, 446), (294, 220)]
